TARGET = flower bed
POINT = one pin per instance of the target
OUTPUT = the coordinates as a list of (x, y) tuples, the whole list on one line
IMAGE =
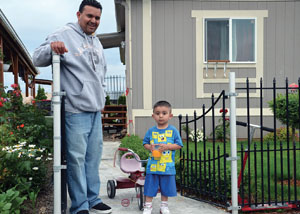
[(25, 152)]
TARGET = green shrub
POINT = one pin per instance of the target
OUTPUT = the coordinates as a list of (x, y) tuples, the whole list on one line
[(11, 201), (281, 112), (107, 100), (41, 94), (293, 107), (281, 135), (135, 143), (122, 100), (219, 129)]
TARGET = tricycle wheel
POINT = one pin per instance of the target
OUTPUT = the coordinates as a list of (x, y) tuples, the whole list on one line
[(140, 197), (111, 189)]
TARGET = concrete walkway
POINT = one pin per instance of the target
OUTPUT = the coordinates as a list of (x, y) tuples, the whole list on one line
[(177, 205)]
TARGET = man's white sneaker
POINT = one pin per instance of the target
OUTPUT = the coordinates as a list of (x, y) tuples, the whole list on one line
[(147, 210), (164, 210)]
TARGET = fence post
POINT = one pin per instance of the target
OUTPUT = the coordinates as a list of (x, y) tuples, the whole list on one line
[(56, 102), (233, 146)]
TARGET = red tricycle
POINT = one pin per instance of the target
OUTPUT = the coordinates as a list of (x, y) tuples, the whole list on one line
[(130, 163)]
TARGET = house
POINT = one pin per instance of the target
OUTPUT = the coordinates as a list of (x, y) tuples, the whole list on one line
[(14, 57), (176, 50)]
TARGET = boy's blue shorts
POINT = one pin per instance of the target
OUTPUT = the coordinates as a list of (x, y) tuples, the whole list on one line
[(166, 183)]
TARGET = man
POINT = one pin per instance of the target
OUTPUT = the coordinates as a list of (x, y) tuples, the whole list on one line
[(83, 69)]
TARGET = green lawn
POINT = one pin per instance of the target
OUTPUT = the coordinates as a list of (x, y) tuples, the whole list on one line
[(259, 167)]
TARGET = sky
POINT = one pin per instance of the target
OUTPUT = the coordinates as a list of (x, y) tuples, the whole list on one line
[(34, 20)]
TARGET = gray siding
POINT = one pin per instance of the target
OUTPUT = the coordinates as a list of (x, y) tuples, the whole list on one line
[(144, 123), (174, 49)]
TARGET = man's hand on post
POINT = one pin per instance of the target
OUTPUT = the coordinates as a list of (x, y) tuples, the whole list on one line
[(58, 47)]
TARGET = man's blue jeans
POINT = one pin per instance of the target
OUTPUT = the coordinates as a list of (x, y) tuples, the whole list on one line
[(84, 149)]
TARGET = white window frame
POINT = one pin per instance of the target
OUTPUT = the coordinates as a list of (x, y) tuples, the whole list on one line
[(200, 66), (230, 38)]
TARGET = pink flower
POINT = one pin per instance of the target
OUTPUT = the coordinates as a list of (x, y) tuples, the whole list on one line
[(1, 104)]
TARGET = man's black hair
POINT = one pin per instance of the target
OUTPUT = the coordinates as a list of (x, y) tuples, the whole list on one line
[(92, 3), (162, 103)]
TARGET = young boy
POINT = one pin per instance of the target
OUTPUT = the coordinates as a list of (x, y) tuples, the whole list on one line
[(160, 172)]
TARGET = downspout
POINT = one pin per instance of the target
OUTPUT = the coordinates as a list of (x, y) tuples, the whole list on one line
[(130, 122)]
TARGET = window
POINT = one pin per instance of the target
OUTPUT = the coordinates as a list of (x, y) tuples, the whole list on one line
[(230, 39)]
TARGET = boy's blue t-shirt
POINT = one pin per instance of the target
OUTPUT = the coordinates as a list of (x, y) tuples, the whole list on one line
[(165, 165)]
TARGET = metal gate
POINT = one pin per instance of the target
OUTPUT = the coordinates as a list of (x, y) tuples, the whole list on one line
[(203, 172), (268, 175)]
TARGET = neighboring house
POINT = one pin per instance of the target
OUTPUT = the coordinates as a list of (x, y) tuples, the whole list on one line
[(168, 43), (14, 58)]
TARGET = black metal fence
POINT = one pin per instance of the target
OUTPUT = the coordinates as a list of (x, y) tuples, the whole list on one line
[(203, 170), (268, 174)]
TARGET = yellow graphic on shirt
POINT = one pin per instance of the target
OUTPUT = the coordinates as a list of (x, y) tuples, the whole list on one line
[(153, 167), (154, 135), (169, 133), (166, 157), (161, 138), (152, 142), (161, 167)]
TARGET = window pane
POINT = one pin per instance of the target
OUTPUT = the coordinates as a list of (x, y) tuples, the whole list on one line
[(243, 40), (216, 39)]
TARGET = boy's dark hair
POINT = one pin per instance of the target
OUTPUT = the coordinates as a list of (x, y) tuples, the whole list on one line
[(162, 103), (92, 3)]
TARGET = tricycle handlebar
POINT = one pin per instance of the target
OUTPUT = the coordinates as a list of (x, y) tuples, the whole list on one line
[(254, 126)]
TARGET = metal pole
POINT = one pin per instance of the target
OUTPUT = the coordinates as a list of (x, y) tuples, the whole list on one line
[(56, 99), (234, 181)]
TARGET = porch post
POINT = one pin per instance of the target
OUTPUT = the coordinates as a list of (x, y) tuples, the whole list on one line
[(1, 63), (234, 158)]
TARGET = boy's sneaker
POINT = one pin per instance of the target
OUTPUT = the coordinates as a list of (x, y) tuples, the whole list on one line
[(147, 210), (101, 208), (164, 210)]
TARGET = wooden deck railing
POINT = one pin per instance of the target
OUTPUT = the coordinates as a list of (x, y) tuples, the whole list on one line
[(114, 117)]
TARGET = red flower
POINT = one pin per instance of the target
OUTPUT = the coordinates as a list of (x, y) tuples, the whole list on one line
[(294, 87), (22, 125), (33, 101), (221, 110), (1, 104), (226, 118), (14, 86), (11, 133)]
